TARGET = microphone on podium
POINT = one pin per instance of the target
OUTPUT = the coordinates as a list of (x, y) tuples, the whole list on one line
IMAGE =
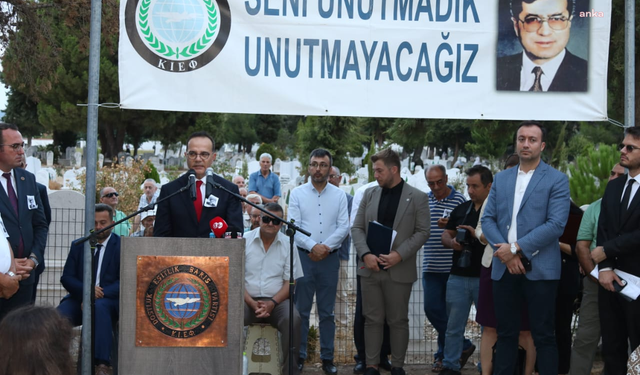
[(192, 184), (218, 226), (209, 187)]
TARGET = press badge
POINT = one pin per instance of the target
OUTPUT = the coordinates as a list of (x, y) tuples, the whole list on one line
[(211, 201), (31, 202)]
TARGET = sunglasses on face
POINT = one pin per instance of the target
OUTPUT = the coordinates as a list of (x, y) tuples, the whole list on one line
[(110, 195), (629, 148), (267, 220)]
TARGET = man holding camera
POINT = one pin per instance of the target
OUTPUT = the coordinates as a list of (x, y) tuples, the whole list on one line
[(464, 281)]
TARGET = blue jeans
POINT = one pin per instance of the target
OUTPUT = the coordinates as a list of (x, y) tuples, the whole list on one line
[(320, 278), (461, 293), (434, 286)]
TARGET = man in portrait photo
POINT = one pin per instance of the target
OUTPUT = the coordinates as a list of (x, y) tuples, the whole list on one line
[(543, 28)]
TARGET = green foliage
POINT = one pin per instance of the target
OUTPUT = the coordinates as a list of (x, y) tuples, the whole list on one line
[(591, 172), (151, 172), (245, 169), (491, 139), (560, 152), (341, 136), (270, 149), (372, 150)]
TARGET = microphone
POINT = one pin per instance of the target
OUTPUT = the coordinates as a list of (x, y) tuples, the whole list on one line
[(192, 184), (218, 226), (209, 187), (234, 233)]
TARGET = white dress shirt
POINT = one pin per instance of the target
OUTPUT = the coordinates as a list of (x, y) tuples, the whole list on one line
[(549, 70), (4, 182), (5, 249), (265, 271), (634, 188), (522, 181), (101, 258), (324, 214)]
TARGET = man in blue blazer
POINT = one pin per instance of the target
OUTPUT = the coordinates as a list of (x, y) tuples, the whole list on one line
[(525, 216), (107, 288), (177, 216), (23, 214)]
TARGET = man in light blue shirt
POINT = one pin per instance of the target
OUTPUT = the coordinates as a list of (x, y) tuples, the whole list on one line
[(264, 182), (321, 209)]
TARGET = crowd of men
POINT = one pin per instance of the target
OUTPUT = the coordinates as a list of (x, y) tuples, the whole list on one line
[(505, 250)]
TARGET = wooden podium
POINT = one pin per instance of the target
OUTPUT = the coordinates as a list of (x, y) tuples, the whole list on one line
[(181, 306)]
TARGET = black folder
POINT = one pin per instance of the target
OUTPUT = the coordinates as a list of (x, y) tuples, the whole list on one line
[(379, 238)]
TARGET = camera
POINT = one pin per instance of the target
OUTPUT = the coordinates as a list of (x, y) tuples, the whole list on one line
[(461, 236)]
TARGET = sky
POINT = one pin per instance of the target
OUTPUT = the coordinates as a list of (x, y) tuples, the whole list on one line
[(3, 94)]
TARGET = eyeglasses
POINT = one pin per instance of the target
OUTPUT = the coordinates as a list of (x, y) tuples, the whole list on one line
[(434, 183), (110, 195), (194, 155), (334, 176), (629, 148), (15, 146), (316, 166), (534, 23), (267, 220)]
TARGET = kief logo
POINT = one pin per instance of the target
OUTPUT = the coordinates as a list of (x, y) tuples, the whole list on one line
[(178, 35), (182, 301)]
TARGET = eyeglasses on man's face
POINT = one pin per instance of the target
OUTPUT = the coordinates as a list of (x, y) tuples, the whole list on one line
[(316, 165), (15, 146), (533, 23), (203, 155), (267, 220), (629, 148), (110, 195), (434, 183)]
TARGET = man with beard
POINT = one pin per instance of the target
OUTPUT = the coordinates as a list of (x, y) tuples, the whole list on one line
[(617, 249), (524, 217), (386, 279), (106, 273), (320, 208)]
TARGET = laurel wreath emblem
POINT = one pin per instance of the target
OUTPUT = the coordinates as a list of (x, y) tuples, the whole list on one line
[(167, 320), (167, 51)]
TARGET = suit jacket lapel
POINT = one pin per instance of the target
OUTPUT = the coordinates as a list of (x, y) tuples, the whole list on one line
[(106, 258), (186, 200), (535, 179), (372, 212), (632, 206), (511, 189), (20, 186), (405, 199), (4, 200)]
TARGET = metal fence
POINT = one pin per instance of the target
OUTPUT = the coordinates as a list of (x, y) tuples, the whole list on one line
[(67, 225)]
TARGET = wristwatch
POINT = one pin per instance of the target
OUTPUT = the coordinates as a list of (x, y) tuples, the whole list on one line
[(35, 261), (514, 249), (11, 274)]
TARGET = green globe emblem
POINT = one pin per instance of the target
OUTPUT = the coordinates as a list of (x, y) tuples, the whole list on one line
[(177, 29)]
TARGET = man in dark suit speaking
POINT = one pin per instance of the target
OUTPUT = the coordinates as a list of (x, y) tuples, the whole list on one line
[(180, 216), (543, 28), (23, 215)]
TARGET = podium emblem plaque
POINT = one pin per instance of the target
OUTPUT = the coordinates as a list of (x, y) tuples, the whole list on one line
[(182, 301)]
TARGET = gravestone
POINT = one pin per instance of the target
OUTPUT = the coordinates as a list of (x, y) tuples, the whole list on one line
[(49, 158), (31, 151), (67, 224), (100, 161), (78, 159)]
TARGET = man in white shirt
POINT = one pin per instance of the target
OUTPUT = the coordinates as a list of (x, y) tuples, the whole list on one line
[(321, 209), (266, 281)]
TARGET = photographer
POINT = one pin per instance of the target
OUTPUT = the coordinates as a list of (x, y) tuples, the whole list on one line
[(464, 281)]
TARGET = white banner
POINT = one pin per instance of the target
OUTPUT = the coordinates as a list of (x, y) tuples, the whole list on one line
[(467, 59)]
